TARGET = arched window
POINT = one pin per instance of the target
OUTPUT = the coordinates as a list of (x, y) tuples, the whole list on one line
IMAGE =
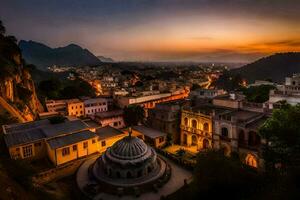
[(205, 144), (206, 127), (251, 160), (194, 140), (224, 132), (118, 174), (186, 121), (129, 175), (194, 123)]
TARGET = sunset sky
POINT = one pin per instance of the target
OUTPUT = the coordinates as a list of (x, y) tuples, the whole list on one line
[(160, 30)]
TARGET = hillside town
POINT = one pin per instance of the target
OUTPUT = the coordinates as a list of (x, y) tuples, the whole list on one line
[(149, 100), (72, 131)]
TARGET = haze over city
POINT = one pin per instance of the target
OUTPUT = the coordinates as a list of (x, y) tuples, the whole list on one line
[(160, 30)]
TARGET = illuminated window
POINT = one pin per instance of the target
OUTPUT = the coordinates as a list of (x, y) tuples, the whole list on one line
[(27, 151), (74, 147), (85, 145), (65, 151)]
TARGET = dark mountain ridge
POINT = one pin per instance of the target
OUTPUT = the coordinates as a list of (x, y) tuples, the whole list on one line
[(43, 56), (275, 67)]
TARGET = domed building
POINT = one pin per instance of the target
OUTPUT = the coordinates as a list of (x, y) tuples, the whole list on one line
[(130, 165)]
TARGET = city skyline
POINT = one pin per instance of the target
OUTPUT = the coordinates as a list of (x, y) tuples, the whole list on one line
[(235, 31)]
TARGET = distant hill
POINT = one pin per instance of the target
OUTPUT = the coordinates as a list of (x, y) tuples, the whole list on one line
[(105, 59), (43, 56), (275, 67)]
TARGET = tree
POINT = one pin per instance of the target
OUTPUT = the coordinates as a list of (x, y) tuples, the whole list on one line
[(219, 177), (50, 88), (282, 133), (258, 94), (133, 115)]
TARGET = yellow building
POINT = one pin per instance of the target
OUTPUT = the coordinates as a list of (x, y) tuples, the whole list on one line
[(196, 127), (75, 107), (61, 142), (71, 147), (107, 136), (151, 136)]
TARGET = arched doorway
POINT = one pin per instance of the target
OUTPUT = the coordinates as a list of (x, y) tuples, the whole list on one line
[(224, 132), (194, 140), (251, 160), (206, 127), (205, 144), (194, 123), (186, 121)]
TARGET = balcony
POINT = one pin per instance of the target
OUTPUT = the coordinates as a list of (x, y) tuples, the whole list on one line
[(192, 130)]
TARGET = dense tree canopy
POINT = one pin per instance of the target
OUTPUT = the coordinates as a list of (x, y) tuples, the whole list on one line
[(55, 89), (258, 94), (218, 176), (282, 133)]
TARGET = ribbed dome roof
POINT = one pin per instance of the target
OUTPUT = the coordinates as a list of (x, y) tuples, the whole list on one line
[(129, 148)]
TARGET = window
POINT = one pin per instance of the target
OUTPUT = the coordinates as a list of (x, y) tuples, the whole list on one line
[(161, 139), (74, 147), (103, 143), (85, 145), (185, 121), (93, 141), (27, 151), (206, 127), (65, 151), (194, 124), (224, 132), (115, 123)]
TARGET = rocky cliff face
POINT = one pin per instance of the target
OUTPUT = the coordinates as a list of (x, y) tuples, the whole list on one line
[(17, 91)]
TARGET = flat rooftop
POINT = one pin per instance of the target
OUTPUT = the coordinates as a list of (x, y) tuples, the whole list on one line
[(22, 133), (70, 139), (149, 132), (107, 132), (109, 114)]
